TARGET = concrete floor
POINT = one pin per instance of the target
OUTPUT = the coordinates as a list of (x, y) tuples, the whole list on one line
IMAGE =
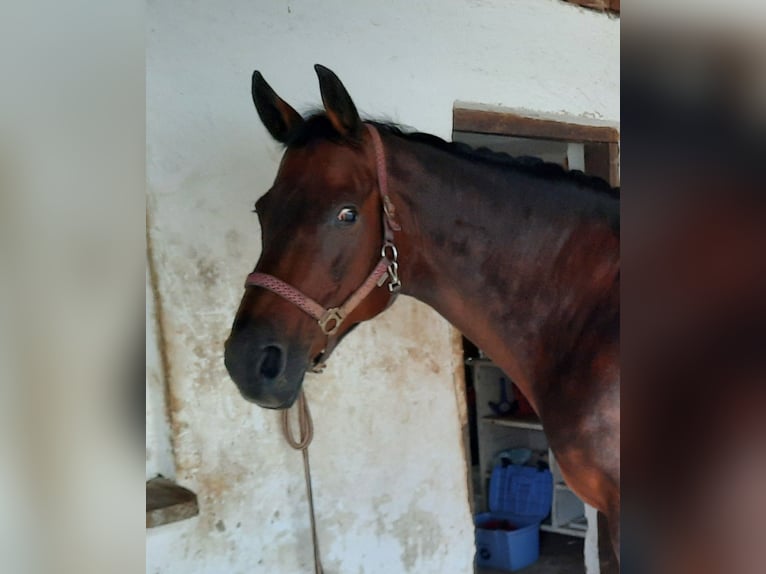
[(558, 555)]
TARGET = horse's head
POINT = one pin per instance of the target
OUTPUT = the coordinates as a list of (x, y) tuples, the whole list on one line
[(322, 233)]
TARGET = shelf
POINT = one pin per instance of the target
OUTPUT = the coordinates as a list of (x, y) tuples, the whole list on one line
[(168, 502), (528, 422), (563, 530), (479, 361), (497, 433), (580, 524)]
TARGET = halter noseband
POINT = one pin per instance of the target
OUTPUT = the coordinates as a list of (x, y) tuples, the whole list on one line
[(330, 319)]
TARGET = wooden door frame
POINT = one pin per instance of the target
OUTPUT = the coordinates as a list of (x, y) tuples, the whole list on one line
[(600, 139)]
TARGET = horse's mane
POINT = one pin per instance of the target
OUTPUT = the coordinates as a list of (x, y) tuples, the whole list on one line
[(318, 126)]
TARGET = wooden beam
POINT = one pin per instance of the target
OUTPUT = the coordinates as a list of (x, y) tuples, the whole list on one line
[(168, 502), (612, 6), (597, 161), (614, 164), (514, 124)]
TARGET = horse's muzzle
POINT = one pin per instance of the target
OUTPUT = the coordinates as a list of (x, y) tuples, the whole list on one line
[(261, 371)]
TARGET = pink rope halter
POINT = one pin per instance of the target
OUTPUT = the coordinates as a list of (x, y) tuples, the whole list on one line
[(330, 319)]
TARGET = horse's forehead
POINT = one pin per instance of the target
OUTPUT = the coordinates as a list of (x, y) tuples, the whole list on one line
[(329, 166)]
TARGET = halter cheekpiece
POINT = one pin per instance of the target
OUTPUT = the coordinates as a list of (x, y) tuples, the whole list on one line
[(387, 269)]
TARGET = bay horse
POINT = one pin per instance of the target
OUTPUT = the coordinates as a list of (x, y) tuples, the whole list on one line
[(521, 256)]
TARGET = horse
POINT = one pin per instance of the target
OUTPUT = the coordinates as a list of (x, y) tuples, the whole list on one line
[(521, 256)]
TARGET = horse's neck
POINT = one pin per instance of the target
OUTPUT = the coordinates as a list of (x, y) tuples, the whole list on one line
[(517, 275)]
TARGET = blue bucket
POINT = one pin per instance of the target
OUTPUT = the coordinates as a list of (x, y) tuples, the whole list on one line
[(520, 496)]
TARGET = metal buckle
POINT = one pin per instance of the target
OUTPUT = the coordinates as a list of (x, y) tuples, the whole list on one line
[(334, 316), (394, 283), (393, 272), (318, 368)]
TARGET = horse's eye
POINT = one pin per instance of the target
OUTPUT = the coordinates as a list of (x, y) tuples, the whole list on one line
[(348, 215)]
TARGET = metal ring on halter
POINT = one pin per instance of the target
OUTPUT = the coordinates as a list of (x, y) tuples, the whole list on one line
[(394, 252), (332, 316)]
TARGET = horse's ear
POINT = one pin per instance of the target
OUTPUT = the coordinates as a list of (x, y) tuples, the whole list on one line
[(276, 114), (338, 105)]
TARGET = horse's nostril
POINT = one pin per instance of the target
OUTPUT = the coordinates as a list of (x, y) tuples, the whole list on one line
[(271, 362)]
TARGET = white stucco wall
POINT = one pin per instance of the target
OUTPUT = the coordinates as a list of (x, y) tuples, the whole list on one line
[(388, 461)]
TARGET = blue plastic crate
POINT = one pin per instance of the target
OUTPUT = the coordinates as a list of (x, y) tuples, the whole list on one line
[(521, 490), (503, 550), (522, 496)]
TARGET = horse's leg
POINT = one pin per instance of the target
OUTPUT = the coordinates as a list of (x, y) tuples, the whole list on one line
[(598, 486), (614, 531), (582, 423), (607, 556)]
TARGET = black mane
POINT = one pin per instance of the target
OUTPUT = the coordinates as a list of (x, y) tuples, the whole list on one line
[(318, 126)]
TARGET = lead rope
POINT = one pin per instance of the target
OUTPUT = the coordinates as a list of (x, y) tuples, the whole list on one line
[(306, 435)]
